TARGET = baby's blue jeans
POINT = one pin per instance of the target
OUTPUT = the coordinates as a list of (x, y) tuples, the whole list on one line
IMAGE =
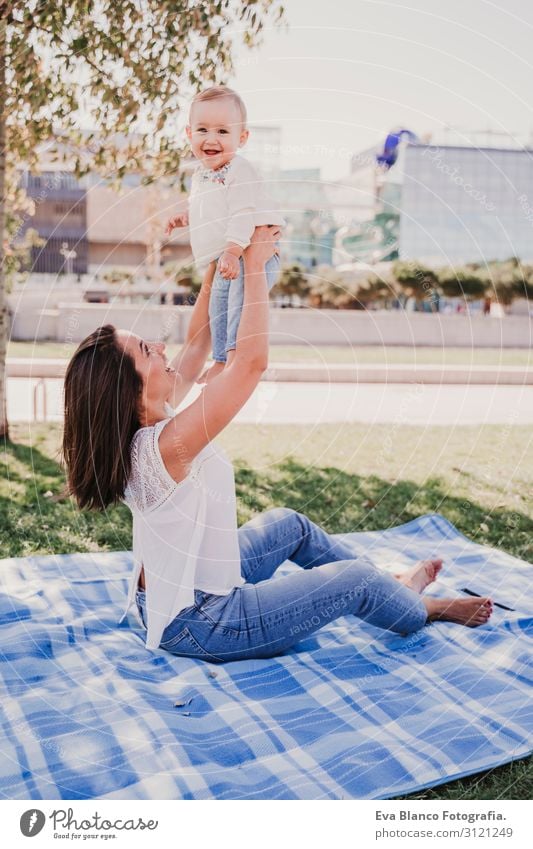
[(225, 307), (266, 615)]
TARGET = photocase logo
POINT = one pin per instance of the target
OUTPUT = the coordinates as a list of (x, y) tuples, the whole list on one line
[(32, 822)]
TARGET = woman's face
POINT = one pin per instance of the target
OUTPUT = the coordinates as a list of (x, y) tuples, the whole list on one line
[(151, 364)]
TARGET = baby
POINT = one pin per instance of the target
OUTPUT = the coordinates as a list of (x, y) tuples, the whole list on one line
[(227, 201)]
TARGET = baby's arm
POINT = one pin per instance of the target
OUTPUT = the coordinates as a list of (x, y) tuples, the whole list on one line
[(228, 264), (179, 220), (241, 206)]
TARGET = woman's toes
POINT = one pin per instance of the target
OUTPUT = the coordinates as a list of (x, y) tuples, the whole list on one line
[(484, 612), (432, 567)]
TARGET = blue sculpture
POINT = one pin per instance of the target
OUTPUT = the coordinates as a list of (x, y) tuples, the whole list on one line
[(390, 149)]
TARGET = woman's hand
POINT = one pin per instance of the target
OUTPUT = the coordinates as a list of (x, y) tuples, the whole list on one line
[(263, 244)]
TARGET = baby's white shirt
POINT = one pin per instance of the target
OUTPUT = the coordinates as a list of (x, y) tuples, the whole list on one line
[(225, 206)]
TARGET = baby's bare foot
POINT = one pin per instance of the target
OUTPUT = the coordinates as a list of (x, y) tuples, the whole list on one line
[(464, 611), (420, 576)]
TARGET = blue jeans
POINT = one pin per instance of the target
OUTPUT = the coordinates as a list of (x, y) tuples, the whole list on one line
[(225, 307), (264, 617)]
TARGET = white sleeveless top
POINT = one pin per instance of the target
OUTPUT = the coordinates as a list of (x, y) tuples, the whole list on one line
[(185, 534)]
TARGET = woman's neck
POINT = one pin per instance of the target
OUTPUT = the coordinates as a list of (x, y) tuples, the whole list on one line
[(154, 413)]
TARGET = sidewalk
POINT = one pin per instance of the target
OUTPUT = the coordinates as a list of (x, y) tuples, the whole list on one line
[(396, 373), (313, 404)]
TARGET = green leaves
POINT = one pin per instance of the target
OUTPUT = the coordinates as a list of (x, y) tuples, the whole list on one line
[(462, 282), (128, 64)]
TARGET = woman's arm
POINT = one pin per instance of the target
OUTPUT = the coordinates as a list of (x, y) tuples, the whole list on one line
[(190, 431), (190, 360)]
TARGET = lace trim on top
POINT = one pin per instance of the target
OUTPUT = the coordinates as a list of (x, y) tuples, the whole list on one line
[(149, 484)]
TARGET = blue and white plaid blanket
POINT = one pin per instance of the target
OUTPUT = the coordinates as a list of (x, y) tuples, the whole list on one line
[(351, 712)]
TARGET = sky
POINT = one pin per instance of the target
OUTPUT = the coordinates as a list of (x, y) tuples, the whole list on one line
[(341, 74)]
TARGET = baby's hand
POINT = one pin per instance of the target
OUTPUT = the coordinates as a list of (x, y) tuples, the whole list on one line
[(181, 220), (229, 266)]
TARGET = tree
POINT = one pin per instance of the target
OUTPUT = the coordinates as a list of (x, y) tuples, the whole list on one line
[(416, 280), (462, 283), (330, 289), (17, 247), (183, 275), (505, 281), (118, 275), (129, 64), (524, 288), (375, 290), (293, 280)]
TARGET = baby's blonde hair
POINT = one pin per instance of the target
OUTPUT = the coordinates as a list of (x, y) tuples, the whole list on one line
[(216, 91)]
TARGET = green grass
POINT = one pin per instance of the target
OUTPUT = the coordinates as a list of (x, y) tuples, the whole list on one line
[(346, 477), (332, 354)]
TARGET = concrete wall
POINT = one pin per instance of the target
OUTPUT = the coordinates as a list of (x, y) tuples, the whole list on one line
[(35, 309), (73, 321), (396, 327)]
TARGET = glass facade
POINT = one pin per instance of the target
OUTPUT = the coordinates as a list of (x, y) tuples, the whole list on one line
[(308, 238), (466, 204)]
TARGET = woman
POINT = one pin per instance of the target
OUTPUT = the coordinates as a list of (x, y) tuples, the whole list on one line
[(204, 588)]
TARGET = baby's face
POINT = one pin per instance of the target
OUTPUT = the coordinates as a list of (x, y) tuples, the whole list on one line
[(216, 131)]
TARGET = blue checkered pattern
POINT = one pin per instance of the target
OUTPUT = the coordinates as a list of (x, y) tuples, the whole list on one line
[(351, 712)]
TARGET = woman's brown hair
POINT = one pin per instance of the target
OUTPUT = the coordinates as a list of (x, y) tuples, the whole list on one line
[(102, 391)]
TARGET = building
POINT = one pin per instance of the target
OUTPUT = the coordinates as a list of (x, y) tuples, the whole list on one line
[(353, 198), (263, 150), (60, 218), (464, 204), (88, 227), (309, 236), (439, 204), (301, 196), (125, 229), (366, 204)]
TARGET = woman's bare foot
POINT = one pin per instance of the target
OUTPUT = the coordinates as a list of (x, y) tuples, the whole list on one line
[(420, 576), (211, 372), (465, 611)]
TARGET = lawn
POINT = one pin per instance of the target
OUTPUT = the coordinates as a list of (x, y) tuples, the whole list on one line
[(347, 477), (332, 354)]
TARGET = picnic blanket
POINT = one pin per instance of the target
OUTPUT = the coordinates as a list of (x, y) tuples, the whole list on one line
[(352, 711)]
